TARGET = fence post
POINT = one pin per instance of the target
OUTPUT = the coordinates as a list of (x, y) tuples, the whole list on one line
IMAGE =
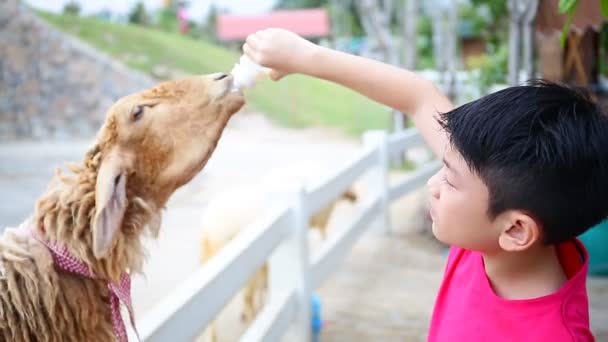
[(290, 265), (378, 182), (398, 126)]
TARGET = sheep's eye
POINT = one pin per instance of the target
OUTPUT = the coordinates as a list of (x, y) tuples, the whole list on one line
[(138, 112)]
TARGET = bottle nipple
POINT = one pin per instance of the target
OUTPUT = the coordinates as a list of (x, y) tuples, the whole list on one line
[(246, 72)]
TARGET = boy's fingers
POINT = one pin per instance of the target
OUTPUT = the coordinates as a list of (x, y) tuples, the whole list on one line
[(251, 53), (263, 33), (247, 50), (262, 39), (253, 41), (257, 46), (276, 75)]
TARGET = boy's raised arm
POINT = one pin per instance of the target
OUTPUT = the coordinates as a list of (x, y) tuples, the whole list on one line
[(286, 52)]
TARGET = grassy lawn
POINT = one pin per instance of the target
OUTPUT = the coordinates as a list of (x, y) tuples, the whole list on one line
[(296, 101)]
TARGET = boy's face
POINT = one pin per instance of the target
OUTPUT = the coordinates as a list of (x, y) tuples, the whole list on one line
[(459, 204)]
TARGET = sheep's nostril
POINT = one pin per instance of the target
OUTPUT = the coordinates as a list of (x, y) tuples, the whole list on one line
[(220, 77)]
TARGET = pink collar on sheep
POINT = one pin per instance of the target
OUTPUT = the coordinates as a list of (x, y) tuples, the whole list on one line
[(119, 292)]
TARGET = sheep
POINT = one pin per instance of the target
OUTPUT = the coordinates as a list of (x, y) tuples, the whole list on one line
[(283, 179), (233, 210), (150, 144)]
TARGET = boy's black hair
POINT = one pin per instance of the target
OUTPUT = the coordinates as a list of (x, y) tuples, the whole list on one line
[(540, 147)]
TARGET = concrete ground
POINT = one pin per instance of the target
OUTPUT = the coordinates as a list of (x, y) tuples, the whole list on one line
[(385, 291)]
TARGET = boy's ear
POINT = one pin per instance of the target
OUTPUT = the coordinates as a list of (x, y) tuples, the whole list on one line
[(519, 233)]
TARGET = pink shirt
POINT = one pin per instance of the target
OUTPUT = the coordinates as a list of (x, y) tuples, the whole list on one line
[(467, 309)]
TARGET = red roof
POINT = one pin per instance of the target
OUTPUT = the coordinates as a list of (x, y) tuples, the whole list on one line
[(309, 23)]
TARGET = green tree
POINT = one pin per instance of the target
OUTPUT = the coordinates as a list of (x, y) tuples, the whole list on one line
[(496, 28), (209, 28), (292, 4), (424, 43), (72, 8), (138, 15), (167, 20)]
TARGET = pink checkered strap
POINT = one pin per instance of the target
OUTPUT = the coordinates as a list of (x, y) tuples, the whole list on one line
[(119, 292)]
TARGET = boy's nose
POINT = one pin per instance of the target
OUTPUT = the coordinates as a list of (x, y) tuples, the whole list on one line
[(433, 185)]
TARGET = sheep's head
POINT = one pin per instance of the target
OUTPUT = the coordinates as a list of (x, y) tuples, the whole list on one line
[(152, 143)]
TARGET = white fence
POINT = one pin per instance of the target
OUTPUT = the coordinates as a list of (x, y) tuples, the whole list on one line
[(280, 238)]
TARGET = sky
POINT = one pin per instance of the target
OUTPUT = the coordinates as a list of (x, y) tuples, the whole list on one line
[(197, 9)]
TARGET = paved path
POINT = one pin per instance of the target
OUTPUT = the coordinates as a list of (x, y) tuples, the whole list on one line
[(383, 292), (386, 288)]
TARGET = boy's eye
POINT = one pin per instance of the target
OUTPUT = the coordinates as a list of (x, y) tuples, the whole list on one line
[(446, 181)]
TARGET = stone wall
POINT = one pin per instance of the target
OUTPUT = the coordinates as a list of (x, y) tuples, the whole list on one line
[(53, 86)]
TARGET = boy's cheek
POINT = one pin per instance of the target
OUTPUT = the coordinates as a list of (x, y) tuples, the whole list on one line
[(439, 230), (440, 234), (446, 226)]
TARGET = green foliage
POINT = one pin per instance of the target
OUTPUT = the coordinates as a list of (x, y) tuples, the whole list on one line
[(497, 8), (195, 31), (354, 21), (569, 7), (471, 23), (208, 29), (495, 26), (603, 45), (138, 15), (167, 20), (492, 67), (566, 6), (72, 8), (604, 5), (348, 18), (293, 4), (424, 43)]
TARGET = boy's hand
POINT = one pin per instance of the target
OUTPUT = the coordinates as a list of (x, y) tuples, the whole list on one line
[(280, 50), (285, 53)]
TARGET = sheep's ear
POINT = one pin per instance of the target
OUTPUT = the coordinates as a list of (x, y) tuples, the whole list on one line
[(110, 203)]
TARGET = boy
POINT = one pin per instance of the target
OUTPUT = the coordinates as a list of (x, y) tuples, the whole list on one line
[(525, 172)]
